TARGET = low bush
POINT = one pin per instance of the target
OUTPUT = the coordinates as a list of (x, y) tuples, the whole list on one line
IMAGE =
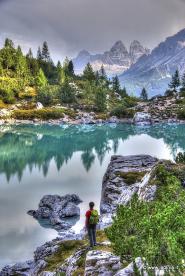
[(42, 114), (181, 114), (47, 94), (122, 112), (180, 158)]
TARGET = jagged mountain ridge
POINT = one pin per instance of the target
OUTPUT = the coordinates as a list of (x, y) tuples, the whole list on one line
[(154, 71), (117, 60)]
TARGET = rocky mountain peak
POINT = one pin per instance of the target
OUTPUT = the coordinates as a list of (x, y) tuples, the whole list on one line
[(119, 47), (83, 53), (137, 50)]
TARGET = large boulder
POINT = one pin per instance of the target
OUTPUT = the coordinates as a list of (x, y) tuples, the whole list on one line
[(56, 209), (125, 176), (142, 118)]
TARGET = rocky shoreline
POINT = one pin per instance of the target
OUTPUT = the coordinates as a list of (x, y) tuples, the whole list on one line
[(140, 118), (125, 176)]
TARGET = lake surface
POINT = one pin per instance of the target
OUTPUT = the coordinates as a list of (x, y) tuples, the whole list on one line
[(40, 160)]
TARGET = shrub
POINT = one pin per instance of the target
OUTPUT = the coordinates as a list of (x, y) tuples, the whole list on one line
[(180, 158), (153, 230), (100, 100), (47, 94), (122, 112), (169, 93), (181, 114), (43, 114), (130, 101), (67, 93)]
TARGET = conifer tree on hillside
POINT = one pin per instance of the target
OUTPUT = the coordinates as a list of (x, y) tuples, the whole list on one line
[(183, 83), (88, 73), (100, 100), (41, 79), (8, 43), (39, 54), (32, 63), (21, 65), (8, 55), (102, 72), (175, 82), (71, 68), (116, 84), (45, 52), (144, 95), (59, 66), (29, 54)]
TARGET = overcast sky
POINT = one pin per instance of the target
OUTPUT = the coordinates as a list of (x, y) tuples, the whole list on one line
[(72, 25)]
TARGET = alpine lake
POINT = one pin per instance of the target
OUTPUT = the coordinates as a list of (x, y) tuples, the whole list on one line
[(36, 160)]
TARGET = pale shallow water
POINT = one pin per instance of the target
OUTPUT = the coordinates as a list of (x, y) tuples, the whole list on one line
[(40, 160)]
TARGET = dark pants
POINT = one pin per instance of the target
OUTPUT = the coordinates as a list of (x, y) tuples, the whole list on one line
[(92, 234)]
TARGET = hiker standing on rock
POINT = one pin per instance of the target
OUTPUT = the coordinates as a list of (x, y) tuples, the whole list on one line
[(92, 219)]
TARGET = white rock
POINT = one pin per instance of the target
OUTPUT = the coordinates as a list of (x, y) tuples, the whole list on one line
[(142, 118), (39, 105)]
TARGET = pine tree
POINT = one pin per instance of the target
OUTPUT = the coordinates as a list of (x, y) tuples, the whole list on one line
[(97, 78), (29, 54), (100, 100), (21, 65), (45, 52), (144, 95), (183, 83), (103, 73), (41, 79), (59, 66), (88, 73), (116, 84), (71, 68), (123, 92), (39, 54), (67, 93), (175, 82), (8, 43)]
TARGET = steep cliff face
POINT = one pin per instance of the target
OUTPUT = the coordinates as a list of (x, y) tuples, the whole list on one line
[(154, 71)]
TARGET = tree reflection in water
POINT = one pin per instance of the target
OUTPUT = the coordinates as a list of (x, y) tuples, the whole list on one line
[(36, 146)]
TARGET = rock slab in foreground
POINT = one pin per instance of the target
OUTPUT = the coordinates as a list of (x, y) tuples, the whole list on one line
[(56, 209), (101, 263), (115, 187)]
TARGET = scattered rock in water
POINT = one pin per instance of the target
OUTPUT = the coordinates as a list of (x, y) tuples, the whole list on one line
[(58, 211), (101, 263), (125, 176), (113, 120), (142, 118)]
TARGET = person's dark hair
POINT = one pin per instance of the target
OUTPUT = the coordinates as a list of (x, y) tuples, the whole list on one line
[(91, 204)]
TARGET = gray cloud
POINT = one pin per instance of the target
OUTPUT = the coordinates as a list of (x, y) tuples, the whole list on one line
[(72, 25)]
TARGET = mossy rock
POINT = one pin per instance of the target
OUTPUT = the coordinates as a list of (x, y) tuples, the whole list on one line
[(66, 249), (131, 177)]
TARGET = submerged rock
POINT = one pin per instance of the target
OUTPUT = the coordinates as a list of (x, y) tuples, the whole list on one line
[(58, 210), (142, 118), (125, 176)]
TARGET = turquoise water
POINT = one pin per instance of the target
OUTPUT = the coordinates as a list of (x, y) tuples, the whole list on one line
[(40, 160)]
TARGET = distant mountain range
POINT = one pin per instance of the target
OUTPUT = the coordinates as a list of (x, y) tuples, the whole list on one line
[(115, 61), (154, 71), (138, 67)]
